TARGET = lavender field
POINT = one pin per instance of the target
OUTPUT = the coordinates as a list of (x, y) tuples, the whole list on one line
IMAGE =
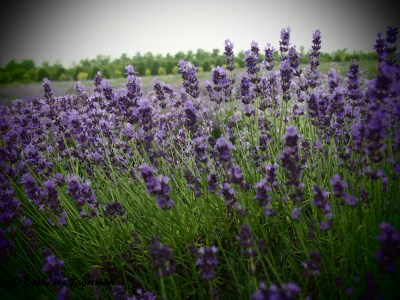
[(279, 182)]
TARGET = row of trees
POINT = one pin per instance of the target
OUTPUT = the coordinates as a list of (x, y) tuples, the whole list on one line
[(146, 65)]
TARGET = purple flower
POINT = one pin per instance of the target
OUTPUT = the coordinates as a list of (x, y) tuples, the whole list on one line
[(9, 206), (159, 90), (333, 80), (228, 193), (107, 89), (263, 192), (129, 70), (312, 266), (33, 192), (190, 116), (251, 57), (119, 293), (296, 213), (321, 202), (62, 220), (80, 191), (157, 186), (354, 91), (246, 90), (269, 58), (246, 240), (212, 181), (286, 79), (289, 157), (80, 88), (375, 131), (291, 137), (284, 42), (380, 47), (51, 195), (223, 147), (200, 149), (221, 89), (313, 57), (271, 173), (294, 61), (48, 92), (235, 175), (338, 185), (229, 55), (162, 257), (189, 76), (350, 200), (287, 291), (97, 82), (75, 122), (207, 262), (133, 85), (389, 251), (248, 110), (114, 209), (52, 267)]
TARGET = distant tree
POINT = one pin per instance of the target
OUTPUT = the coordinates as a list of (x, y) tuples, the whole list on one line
[(175, 70), (206, 65), (161, 71), (82, 76)]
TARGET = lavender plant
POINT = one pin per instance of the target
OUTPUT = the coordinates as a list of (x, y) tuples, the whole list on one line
[(292, 180)]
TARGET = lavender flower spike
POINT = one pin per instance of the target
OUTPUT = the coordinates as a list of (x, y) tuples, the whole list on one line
[(229, 55), (207, 262), (162, 257)]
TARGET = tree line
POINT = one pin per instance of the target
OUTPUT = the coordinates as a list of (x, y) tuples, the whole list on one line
[(146, 64)]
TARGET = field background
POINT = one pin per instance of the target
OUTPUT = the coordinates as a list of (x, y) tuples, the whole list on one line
[(29, 91)]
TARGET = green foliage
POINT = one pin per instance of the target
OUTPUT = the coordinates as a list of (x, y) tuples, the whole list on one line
[(82, 76), (26, 70), (63, 77), (175, 70), (161, 71)]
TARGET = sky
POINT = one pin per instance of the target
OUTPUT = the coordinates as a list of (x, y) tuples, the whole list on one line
[(68, 31)]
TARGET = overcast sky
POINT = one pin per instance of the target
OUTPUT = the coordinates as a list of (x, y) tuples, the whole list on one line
[(69, 31)]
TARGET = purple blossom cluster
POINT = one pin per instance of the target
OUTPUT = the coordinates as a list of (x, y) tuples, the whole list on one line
[(45, 197), (338, 186), (114, 209), (252, 59), (229, 55), (52, 267), (312, 73), (321, 202), (119, 293), (269, 60), (221, 89), (162, 257), (247, 241), (10, 207), (389, 252), (287, 291), (207, 262), (284, 42), (291, 164), (189, 76), (157, 186), (312, 266), (81, 192)]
